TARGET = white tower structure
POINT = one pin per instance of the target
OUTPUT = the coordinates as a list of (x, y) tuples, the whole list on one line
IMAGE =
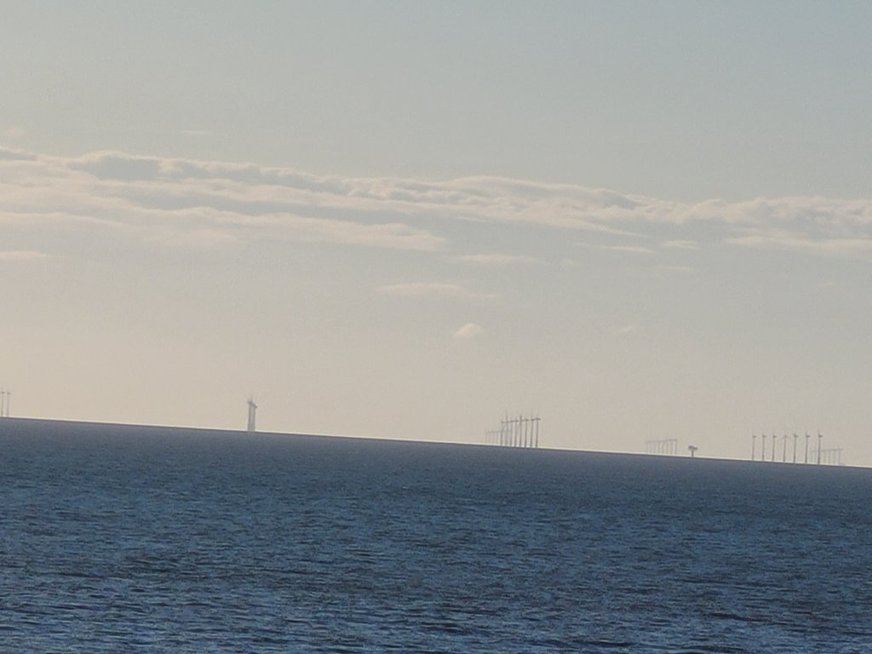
[(252, 411)]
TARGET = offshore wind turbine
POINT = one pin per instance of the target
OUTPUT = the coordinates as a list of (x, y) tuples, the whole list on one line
[(537, 419), (774, 441), (528, 433), (504, 424), (252, 411), (795, 440), (763, 449), (523, 431), (820, 441), (784, 449), (510, 432), (753, 445), (530, 423), (807, 438)]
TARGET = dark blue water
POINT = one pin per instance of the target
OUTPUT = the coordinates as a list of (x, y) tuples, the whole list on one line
[(130, 540)]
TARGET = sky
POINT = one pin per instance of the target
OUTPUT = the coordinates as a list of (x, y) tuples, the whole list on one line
[(637, 220)]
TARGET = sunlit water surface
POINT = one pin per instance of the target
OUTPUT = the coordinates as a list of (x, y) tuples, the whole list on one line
[(124, 540)]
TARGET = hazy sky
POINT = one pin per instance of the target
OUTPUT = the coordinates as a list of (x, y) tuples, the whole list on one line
[(639, 219)]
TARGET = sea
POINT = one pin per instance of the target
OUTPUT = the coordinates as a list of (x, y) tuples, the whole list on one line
[(133, 539)]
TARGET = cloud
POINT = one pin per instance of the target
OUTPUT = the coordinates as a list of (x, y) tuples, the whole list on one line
[(22, 255), (799, 242), (183, 203), (166, 200), (468, 332), (498, 259), (429, 289), (681, 244), (630, 249), (627, 329), (8, 154)]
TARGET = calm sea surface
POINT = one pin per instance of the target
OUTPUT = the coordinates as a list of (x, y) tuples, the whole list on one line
[(150, 540)]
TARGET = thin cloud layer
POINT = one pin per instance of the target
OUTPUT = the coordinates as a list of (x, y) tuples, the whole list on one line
[(432, 289), (22, 255), (186, 202), (498, 259)]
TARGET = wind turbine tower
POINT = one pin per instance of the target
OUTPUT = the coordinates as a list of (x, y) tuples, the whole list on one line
[(252, 411), (4, 406), (753, 445), (820, 440)]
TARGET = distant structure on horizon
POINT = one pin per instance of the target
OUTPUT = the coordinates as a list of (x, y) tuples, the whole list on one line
[(667, 446), (515, 432), (823, 456), (5, 399), (252, 411)]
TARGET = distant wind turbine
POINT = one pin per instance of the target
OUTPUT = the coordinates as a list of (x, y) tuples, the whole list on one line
[(252, 411)]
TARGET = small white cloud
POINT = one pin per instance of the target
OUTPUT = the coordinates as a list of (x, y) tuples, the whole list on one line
[(430, 289), (627, 329), (468, 332)]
